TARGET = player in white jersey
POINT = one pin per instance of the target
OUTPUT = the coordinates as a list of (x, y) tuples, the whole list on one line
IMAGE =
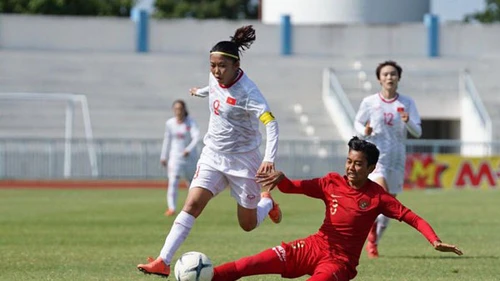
[(384, 119), (181, 137), (231, 155)]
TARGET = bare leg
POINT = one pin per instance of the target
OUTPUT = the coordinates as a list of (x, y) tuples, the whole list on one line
[(249, 219)]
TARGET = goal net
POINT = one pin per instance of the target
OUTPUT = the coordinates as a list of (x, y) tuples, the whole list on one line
[(37, 128)]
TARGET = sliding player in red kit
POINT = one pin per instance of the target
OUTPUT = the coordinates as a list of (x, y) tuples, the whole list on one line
[(352, 203)]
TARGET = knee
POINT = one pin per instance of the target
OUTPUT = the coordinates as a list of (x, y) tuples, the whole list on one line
[(248, 226), (193, 207), (382, 221)]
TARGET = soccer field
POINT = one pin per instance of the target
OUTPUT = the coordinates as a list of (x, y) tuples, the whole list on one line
[(102, 234)]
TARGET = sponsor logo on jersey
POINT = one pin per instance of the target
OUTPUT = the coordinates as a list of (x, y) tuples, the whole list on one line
[(280, 252)]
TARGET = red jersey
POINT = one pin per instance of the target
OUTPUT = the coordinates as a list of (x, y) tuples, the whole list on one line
[(350, 213)]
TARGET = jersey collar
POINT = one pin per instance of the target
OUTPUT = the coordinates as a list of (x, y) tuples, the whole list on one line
[(240, 74), (388, 100)]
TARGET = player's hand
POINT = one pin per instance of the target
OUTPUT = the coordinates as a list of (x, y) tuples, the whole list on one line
[(368, 129), (442, 247), (269, 180), (185, 153), (404, 116), (163, 162), (193, 91), (266, 167)]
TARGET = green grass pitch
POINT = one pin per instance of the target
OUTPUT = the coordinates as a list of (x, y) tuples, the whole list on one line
[(103, 234)]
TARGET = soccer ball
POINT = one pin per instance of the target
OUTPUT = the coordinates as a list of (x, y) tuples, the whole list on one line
[(193, 266)]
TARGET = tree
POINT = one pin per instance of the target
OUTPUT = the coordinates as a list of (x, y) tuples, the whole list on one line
[(68, 7), (206, 9), (491, 14)]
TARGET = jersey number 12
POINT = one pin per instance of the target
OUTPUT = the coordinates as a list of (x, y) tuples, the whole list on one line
[(388, 117)]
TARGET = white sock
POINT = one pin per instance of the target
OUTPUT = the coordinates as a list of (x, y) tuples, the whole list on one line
[(173, 183), (382, 222), (178, 233), (265, 205)]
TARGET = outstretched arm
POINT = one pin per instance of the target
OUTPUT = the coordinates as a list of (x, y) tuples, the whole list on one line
[(199, 92), (392, 208), (312, 188), (425, 228)]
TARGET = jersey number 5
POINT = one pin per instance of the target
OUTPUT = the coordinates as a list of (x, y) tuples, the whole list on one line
[(388, 117)]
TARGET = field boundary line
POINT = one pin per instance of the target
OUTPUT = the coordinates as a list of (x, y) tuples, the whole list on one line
[(86, 184)]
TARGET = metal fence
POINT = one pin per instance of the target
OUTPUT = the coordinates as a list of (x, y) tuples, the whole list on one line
[(140, 159)]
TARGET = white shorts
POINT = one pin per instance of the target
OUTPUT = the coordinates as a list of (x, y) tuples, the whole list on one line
[(216, 170), (393, 178)]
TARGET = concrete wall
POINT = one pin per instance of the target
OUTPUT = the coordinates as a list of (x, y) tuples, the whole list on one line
[(345, 11), (192, 36)]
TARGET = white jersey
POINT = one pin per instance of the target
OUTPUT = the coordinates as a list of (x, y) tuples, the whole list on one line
[(389, 131), (234, 115), (179, 137)]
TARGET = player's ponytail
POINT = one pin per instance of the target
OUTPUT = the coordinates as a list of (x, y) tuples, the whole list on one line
[(243, 37), (241, 40)]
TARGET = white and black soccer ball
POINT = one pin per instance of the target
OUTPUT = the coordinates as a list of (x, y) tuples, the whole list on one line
[(193, 266)]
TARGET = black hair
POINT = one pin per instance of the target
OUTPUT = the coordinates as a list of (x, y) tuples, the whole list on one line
[(394, 64), (183, 105), (241, 40), (369, 149)]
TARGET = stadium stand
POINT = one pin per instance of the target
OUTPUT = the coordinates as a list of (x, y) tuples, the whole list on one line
[(130, 95)]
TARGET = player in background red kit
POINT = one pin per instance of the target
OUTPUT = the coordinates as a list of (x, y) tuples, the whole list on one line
[(352, 203)]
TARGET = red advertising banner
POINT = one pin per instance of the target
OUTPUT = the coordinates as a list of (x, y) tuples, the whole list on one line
[(451, 171)]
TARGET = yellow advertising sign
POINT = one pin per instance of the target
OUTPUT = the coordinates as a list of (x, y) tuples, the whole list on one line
[(451, 171)]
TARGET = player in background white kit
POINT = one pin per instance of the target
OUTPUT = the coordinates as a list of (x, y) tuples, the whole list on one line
[(231, 155), (181, 137), (384, 119)]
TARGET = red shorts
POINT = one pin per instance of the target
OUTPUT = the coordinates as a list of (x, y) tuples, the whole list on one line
[(310, 256)]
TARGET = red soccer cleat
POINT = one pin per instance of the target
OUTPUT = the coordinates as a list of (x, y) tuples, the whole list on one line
[(372, 250), (275, 213), (371, 243), (169, 212), (157, 267)]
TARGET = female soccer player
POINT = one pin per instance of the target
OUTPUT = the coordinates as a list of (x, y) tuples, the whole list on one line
[(352, 203), (383, 119), (181, 137), (231, 154)]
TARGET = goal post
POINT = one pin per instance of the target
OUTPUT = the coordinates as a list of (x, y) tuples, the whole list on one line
[(72, 100)]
